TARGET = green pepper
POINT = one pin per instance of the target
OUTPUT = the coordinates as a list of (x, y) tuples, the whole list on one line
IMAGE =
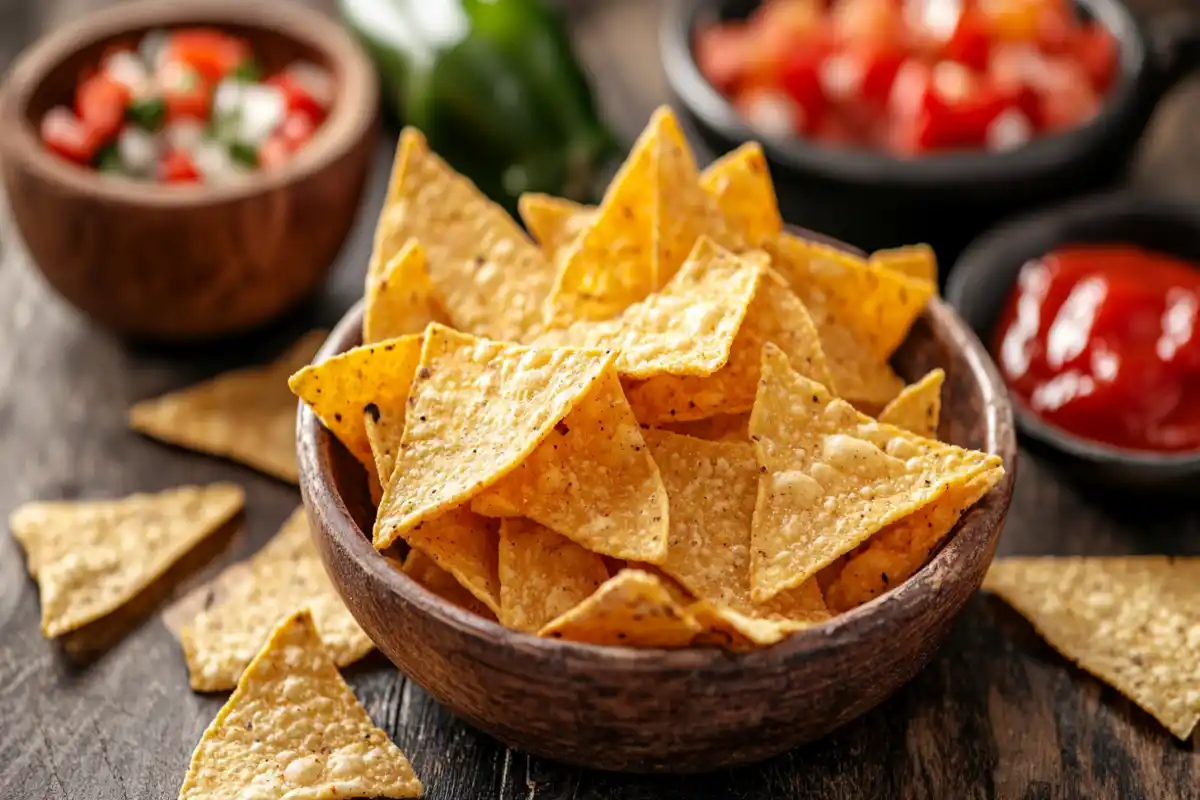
[(495, 87), (148, 113), (108, 160)]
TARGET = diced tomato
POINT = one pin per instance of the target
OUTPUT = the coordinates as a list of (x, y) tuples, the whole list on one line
[(176, 166), (274, 152), (971, 43), (775, 31), (773, 114), (311, 92), (722, 53), (909, 89), (1057, 29), (63, 133), (100, 102), (186, 94), (212, 53), (959, 110), (1068, 98), (879, 65), (296, 129), (867, 21), (1096, 51), (801, 78)]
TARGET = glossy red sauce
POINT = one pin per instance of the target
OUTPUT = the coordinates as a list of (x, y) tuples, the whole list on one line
[(1102, 341)]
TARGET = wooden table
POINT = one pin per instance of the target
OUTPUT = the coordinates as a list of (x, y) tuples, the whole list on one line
[(997, 713)]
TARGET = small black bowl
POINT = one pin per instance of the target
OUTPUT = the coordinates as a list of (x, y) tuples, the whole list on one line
[(876, 200), (984, 276)]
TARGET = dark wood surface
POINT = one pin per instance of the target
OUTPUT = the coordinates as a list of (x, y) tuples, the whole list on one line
[(996, 713)]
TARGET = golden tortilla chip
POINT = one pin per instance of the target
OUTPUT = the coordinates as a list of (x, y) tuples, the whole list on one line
[(467, 546), (775, 315), (914, 260), (687, 328), (555, 222), (385, 431), (366, 380), (425, 571), (478, 409), (246, 415), (592, 480), (832, 478), (717, 428), (402, 301), (543, 574), (294, 730), (1132, 621), (283, 577), (741, 184), (92, 557), (632, 609), (893, 555), (490, 278), (918, 408)]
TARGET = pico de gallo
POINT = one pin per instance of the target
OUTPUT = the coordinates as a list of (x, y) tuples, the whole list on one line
[(911, 77), (188, 105)]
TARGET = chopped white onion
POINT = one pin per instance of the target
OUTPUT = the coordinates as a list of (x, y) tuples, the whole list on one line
[(153, 49), (841, 76), (138, 150), (214, 163), (1009, 130), (248, 113), (184, 135), (773, 114), (935, 18), (128, 70)]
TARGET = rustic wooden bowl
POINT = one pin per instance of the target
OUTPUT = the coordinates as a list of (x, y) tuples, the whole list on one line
[(668, 710), (186, 262)]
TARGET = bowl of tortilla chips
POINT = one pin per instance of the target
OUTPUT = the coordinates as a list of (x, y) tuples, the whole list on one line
[(671, 489)]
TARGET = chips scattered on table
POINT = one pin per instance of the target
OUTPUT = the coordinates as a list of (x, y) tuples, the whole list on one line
[(1132, 621), (247, 415), (294, 729)]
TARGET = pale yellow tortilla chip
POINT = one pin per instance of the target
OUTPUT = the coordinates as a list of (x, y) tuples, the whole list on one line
[(1132, 621), (285, 576), (914, 260), (246, 415), (591, 480), (775, 315), (687, 328), (555, 222), (918, 408), (832, 478), (92, 557), (543, 574), (632, 609), (385, 431), (741, 183), (425, 571), (490, 279), (371, 379), (467, 546), (717, 428), (477, 409), (402, 300), (294, 730)]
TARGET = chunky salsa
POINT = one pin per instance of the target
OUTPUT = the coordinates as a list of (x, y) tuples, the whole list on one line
[(1102, 341), (188, 105), (911, 77)]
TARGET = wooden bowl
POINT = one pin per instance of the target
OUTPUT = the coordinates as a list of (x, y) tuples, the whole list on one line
[(185, 262), (668, 710)]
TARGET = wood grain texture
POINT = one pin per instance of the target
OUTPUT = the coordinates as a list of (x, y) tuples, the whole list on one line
[(996, 714)]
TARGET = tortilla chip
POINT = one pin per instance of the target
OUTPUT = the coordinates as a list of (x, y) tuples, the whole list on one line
[(554, 222), (687, 328), (425, 571), (775, 315), (717, 428), (92, 557), (1131, 621), (490, 278), (402, 301), (543, 574), (246, 415), (893, 555), (832, 477), (466, 545), (368, 379), (741, 184), (592, 480), (293, 729), (285, 576), (477, 409), (633, 609), (918, 407), (385, 431), (914, 260)]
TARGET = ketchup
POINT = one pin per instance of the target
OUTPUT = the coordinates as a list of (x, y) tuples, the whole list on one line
[(1102, 341)]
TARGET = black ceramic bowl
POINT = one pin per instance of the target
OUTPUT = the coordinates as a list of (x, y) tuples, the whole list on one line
[(876, 200), (984, 276)]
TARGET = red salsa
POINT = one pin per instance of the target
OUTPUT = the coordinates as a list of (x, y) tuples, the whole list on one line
[(1102, 341)]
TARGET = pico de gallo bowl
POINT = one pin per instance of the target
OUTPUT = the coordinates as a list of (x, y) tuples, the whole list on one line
[(187, 105)]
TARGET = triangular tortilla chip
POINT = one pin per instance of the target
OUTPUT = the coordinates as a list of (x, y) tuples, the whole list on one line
[(92, 557), (741, 184), (555, 222), (1132, 621), (632, 609), (402, 300), (687, 328), (775, 315), (543, 574), (592, 480), (246, 415), (293, 730), (283, 577), (425, 571), (914, 260), (478, 409), (918, 407), (831, 477), (467, 546), (490, 278), (385, 431), (717, 428)]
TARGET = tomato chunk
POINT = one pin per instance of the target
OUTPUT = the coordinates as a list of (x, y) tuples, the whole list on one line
[(308, 90), (100, 103), (185, 92), (274, 152), (212, 53), (971, 43), (63, 133), (296, 129), (1097, 53), (176, 166), (722, 52)]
